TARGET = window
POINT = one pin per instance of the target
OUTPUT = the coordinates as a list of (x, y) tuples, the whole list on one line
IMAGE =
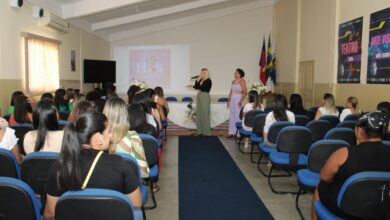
[(42, 64)]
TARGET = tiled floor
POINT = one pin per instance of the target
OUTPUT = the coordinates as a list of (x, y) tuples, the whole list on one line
[(280, 206)]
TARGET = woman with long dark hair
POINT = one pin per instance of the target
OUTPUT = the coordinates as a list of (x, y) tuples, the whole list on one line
[(46, 135), (12, 104), (133, 89), (60, 100), (279, 113), (22, 111), (152, 116), (86, 141), (296, 105), (138, 121)]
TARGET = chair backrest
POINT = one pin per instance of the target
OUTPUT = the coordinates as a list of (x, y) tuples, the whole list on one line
[(352, 117), (223, 99), (35, 169), (320, 151), (17, 200), (301, 120), (333, 120), (345, 134), (347, 124), (94, 204), (268, 109), (20, 131), (294, 139), (171, 99), (274, 130), (318, 129), (366, 195), (8, 164), (311, 114), (250, 116), (258, 124), (187, 99), (150, 145)]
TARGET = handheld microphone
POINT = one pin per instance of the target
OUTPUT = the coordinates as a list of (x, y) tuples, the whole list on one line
[(195, 77)]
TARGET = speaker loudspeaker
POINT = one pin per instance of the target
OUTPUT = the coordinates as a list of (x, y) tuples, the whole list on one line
[(16, 3), (38, 12)]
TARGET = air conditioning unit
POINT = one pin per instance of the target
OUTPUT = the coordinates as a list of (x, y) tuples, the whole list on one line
[(54, 22)]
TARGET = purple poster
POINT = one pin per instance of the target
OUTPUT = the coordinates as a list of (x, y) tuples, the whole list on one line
[(152, 66), (378, 67), (350, 51)]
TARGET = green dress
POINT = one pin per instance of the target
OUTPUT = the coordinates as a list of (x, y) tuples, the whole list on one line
[(203, 107)]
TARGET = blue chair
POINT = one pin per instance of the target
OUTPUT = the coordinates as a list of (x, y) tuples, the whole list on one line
[(35, 170), (386, 142), (272, 137), (319, 153), (257, 132), (347, 124), (249, 122), (187, 99), (364, 195), (171, 99), (224, 99), (9, 166), (345, 134), (94, 204), (17, 200), (292, 146), (301, 120), (151, 145), (352, 117), (239, 124), (333, 120), (318, 129)]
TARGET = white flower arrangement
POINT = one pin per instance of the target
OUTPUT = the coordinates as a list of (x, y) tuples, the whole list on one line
[(141, 84), (191, 114), (259, 87)]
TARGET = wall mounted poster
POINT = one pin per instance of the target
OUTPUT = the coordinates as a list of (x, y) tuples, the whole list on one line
[(378, 67), (350, 51)]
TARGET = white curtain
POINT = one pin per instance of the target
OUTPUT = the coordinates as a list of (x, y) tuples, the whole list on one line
[(43, 66)]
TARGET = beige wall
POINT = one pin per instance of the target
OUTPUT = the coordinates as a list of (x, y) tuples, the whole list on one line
[(13, 22), (317, 32), (221, 43)]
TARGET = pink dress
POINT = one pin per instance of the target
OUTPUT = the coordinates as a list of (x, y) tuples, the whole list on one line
[(234, 115)]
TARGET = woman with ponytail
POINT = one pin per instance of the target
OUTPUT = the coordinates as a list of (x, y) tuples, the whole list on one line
[(46, 135), (86, 141), (278, 113)]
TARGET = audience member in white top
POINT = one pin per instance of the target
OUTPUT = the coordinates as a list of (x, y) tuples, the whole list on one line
[(279, 113), (8, 140), (351, 107), (254, 104), (46, 135), (328, 108)]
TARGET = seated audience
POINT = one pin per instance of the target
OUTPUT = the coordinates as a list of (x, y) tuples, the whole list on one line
[(328, 108), (151, 116), (61, 101), (80, 108), (47, 95), (8, 140), (138, 122), (124, 140), (253, 104), (162, 104), (110, 91), (46, 135), (70, 94), (133, 89), (22, 111), (95, 97), (384, 107), (84, 141), (351, 107), (279, 113), (296, 105), (369, 155), (12, 104)]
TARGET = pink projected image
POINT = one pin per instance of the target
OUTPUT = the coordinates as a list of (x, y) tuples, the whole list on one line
[(152, 66)]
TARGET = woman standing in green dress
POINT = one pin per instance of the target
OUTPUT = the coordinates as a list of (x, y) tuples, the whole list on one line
[(203, 84)]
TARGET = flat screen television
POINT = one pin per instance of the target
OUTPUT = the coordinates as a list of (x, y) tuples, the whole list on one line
[(99, 71)]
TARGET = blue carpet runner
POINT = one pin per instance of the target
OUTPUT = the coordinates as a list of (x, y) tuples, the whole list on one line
[(211, 186)]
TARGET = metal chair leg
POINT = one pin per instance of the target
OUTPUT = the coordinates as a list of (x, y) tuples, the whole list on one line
[(252, 148), (153, 199), (297, 203), (270, 184)]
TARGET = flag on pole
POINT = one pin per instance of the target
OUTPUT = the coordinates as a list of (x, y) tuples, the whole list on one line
[(263, 63), (270, 65)]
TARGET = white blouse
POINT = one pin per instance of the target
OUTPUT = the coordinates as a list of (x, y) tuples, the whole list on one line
[(9, 139), (270, 119), (345, 113), (325, 112)]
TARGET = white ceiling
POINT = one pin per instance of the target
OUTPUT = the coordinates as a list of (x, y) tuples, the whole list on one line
[(110, 18)]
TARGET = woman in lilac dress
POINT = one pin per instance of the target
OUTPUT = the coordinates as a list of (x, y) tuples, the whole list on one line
[(236, 97)]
